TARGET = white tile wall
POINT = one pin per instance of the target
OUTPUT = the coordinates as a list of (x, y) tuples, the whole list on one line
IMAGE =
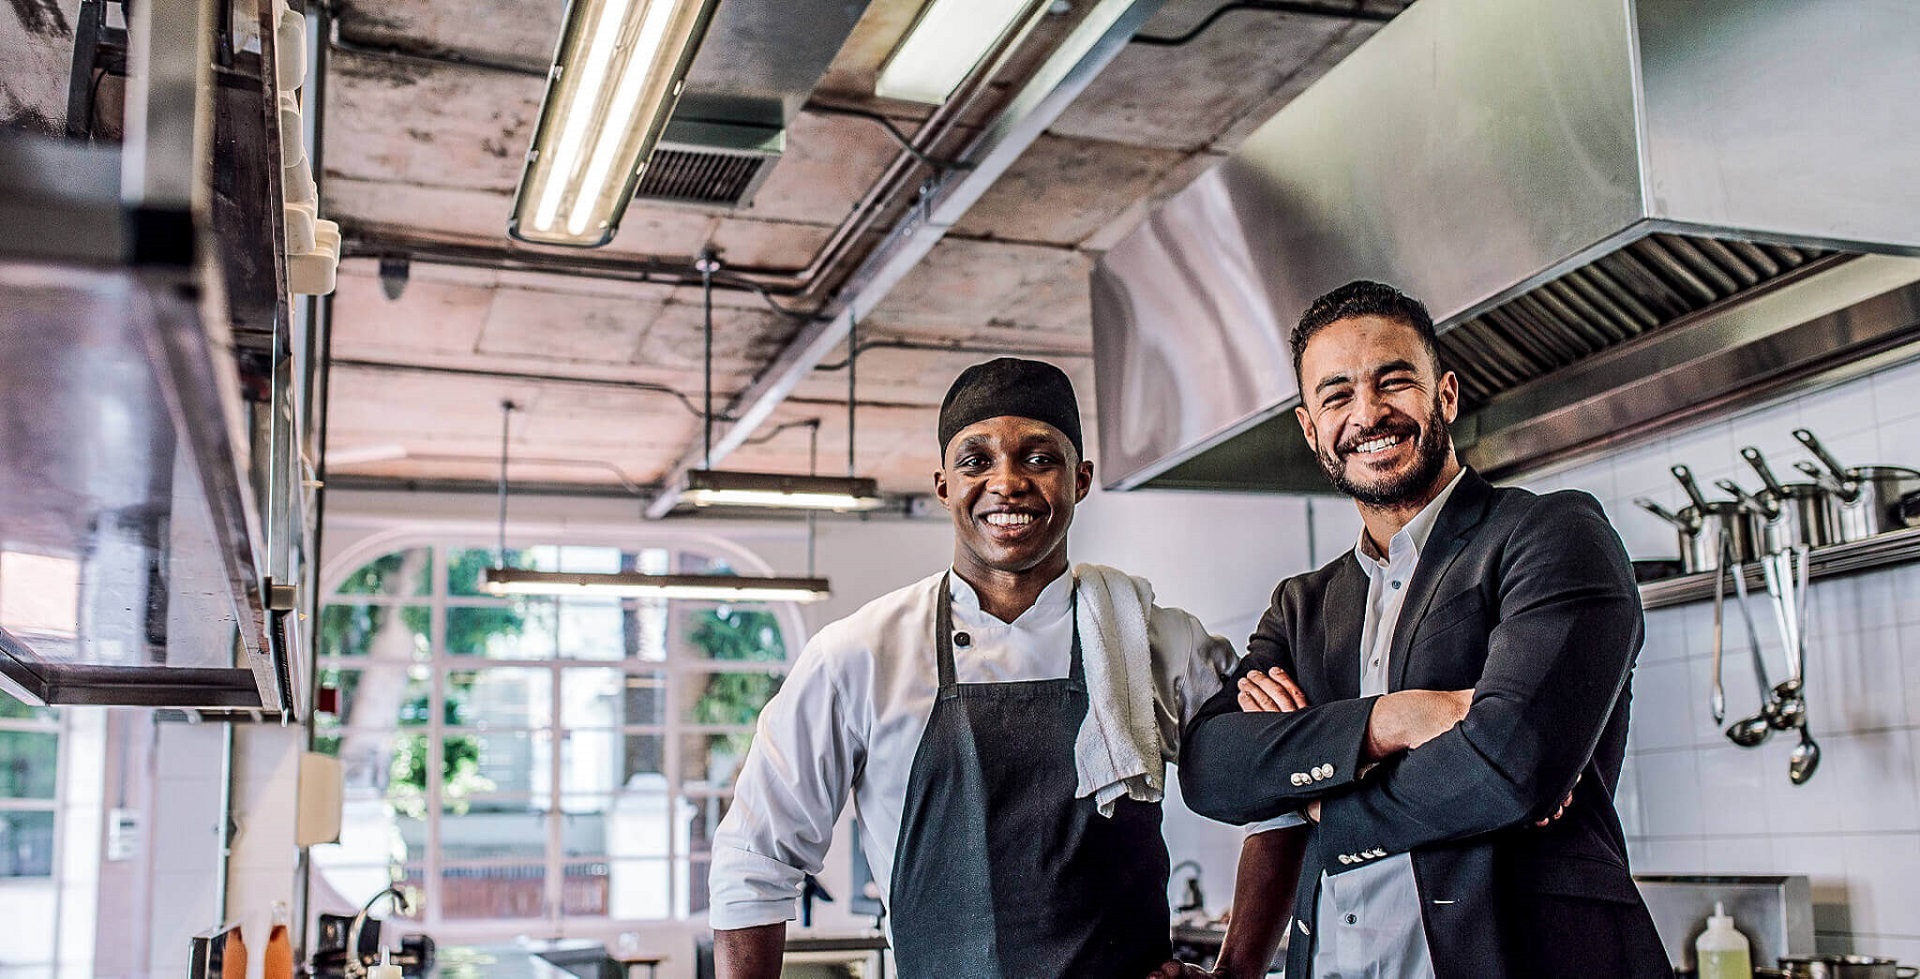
[(1692, 801)]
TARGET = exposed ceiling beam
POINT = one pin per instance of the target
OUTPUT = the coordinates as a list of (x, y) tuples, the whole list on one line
[(1094, 42)]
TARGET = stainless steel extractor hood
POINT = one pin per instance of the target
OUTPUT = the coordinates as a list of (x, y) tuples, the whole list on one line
[(1624, 215)]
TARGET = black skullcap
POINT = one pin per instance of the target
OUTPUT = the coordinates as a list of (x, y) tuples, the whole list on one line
[(1011, 386)]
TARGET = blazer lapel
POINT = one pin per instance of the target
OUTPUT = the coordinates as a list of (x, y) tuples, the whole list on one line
[(1465, 510), (1344, 616)]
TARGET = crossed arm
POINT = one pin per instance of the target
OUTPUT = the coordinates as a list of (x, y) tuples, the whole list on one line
[(1568, 626)]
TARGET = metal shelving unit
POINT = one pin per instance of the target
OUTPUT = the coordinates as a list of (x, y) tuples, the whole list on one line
[(145, 352), (1833, 560)]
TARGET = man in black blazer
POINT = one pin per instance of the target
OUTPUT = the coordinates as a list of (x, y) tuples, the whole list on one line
[(1447, 704)]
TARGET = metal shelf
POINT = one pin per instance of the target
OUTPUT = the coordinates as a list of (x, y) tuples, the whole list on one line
[(1834, 560), (145, 378)]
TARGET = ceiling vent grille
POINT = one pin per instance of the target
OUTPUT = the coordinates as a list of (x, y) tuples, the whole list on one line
[(692, 177), (1646, 285), (712, 164)]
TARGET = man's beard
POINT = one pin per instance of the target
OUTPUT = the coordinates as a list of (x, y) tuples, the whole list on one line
[(1432, 447)]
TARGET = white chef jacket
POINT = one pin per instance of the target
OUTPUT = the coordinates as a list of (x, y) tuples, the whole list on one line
[(850, 717), (1369, 924)]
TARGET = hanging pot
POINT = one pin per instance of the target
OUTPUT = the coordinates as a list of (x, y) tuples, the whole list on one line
[(1866, 498), (1791, 513), (1703, 525)]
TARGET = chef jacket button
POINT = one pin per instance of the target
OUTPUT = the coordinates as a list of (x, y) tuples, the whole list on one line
[(962, 639), (1353, 919)]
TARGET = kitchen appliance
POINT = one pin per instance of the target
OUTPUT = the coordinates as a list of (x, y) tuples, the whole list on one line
[(1869, 497), (1709, 528), (1775, 912)]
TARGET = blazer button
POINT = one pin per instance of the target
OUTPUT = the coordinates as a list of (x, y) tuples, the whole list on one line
[(1329, 768), (1344, 858)]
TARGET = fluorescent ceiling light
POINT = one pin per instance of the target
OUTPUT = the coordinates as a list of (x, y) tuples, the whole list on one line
[(944, 46), (711, 487), (618, 70), (704, 587)]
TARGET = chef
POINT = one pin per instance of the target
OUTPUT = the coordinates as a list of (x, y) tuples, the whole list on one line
[(1003, 727)]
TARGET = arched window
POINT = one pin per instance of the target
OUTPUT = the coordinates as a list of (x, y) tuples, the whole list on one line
[(535, 758)]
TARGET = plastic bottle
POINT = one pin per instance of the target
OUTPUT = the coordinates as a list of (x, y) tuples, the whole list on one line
[(279, 957), (1721, 950), (233, 956), (386, 969)]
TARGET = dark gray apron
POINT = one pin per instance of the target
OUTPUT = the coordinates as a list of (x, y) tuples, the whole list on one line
[(1000, 873)]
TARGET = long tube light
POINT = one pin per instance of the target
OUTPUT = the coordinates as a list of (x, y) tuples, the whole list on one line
[(944, 46), (714, 487), (699, 587), (617, 72)]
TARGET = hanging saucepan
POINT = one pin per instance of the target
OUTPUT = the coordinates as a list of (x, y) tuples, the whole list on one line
[(1703, 525), (1790, 513), (1866, 498)]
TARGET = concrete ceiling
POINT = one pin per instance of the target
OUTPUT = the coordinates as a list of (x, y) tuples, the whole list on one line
[(608, 374)]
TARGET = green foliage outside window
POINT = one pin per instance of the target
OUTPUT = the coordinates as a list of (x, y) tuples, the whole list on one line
[(730, 634)]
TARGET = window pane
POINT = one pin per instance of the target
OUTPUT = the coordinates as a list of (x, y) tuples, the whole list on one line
[(494, 828), (638, 890), (712, 761), (388, 632), (498, 631), (384, 695), (742, 633), (727, 698), (26, 844), (28, 764), (699, 896), (705, 813), (509, 697), (603, 761), (595, 697), (636, 823), (469, 893), (408, 572), (493, 762), (13, 710), (465, 566)]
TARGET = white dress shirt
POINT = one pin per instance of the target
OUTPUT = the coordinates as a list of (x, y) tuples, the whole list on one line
[(850, 716), (1369, 925)]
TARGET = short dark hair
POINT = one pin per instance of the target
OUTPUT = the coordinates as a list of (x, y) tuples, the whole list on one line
[(1362, 298)]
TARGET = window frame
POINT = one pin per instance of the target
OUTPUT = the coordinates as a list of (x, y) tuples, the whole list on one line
[(679, 671), (54, 805)]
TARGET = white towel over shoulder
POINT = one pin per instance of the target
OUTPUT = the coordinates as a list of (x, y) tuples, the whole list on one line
[(1119, 751)]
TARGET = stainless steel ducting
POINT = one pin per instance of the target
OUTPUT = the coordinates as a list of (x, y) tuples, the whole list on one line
[(759, 63), (1624, 214)]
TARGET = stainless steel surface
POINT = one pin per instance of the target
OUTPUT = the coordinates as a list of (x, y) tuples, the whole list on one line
[(1710, 531), (1793, 513), (356, 968), (1548, 179), (1095, 40), (762, 58), (1717, 700), (1843, 967), (1774, 912), (1866, 498), (168, 106), (1885, 550)]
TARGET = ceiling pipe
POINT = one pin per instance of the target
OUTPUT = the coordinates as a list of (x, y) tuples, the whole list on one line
[(1087, 49)]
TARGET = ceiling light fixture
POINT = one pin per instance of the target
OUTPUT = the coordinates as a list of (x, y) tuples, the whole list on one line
[(711, 487), (501, 580), (944, 46), (617, 72), (698, 587)]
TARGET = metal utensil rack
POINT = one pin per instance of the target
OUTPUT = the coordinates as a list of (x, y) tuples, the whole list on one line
[(1834, 560)]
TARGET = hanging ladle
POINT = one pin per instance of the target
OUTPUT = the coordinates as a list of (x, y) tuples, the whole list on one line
[(1752, 731)]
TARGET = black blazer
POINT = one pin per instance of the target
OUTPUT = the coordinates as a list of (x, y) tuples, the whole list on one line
[(1531, 601)]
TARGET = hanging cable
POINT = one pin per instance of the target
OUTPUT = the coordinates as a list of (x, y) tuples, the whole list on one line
[(506, 418), (813, 469), (707, 264), (853, 354)]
